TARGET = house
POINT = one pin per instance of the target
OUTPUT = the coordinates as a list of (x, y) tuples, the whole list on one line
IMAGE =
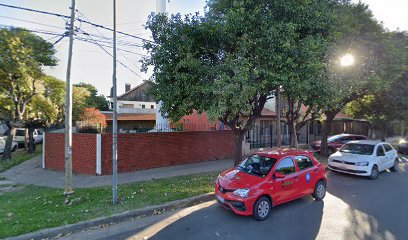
[(136, 110)]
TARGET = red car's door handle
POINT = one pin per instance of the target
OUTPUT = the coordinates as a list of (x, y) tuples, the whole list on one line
[(297, 178)]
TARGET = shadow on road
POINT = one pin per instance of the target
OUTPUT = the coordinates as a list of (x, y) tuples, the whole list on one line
[(215, 222), (376, 209)]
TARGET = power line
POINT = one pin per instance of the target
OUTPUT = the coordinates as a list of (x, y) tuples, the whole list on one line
[(119, 49), (34, 31), (95, 42), (27, 21), (79, 20)]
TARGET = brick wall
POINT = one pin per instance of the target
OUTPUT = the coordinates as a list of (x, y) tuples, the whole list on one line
[(141, 150), (83, 152)]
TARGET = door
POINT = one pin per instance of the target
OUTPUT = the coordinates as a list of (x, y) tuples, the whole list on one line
[(389, 155), (307, 175), (381, 158), (286, 188)]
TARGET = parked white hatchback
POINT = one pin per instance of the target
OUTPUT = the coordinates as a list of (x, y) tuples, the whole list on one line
[(364, 158), (3, 145)]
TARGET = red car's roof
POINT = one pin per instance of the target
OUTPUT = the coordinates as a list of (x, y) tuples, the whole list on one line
[(282, 152)]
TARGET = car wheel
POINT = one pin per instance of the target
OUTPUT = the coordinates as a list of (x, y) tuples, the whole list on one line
[(375, 173), (394, 168), (14, 148), (262, 208), (319, 191)]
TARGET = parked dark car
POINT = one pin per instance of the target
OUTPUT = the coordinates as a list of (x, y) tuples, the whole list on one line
[(336, 142), (403, 145)]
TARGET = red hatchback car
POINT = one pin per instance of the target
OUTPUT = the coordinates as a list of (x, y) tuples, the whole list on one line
[(270, 178)]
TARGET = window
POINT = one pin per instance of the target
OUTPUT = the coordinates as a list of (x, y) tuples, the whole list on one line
[(286, 166), (257, 165), (380, 151), (127, 106), (387, 147), (303, 162), (143, 106), (356, 148), (20, 132), (152, 106)]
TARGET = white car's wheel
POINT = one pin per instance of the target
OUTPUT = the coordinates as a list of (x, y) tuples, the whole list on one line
[(375, 173), (394, 168)]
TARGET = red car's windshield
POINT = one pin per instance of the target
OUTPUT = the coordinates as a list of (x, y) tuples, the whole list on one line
[(257, 165)]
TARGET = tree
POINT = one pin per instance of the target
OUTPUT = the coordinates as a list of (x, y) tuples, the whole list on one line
[(94, 100), (22, 56), (80, 95), (229, 61), (92, 120), (378, 61)]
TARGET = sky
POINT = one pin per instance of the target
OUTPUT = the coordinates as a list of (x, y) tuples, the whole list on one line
[(92, 65)]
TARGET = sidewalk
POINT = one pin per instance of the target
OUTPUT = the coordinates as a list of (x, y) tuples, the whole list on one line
[(30, 172)]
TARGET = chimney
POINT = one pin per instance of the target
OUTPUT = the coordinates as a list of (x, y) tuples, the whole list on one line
[(127, 87)]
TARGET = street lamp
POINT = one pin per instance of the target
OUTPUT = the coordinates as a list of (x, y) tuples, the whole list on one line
[(347, 60)]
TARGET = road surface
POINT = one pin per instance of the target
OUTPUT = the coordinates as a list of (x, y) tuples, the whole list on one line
[(354, 208)]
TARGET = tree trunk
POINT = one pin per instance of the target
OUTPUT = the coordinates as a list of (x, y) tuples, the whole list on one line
[(9, 143), (31, 144), (278, 119), (293, 135), (326, 129), (239, 137), (26, 139)]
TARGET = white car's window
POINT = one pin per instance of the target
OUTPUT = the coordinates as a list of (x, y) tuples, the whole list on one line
[(387, 147), (380, 151), (356, 148)]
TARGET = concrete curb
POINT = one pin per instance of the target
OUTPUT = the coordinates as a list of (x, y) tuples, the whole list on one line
[(50, 233)]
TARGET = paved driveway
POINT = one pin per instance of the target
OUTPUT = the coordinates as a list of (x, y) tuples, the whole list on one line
[(354, 208)]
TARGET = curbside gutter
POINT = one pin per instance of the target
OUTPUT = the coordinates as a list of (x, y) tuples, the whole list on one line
[(50, 233)]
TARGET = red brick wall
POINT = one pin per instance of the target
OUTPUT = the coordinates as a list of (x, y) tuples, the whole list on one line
[(152, 150), (141, 150), (83, 152)]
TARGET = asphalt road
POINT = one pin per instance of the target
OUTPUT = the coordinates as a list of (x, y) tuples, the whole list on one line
[(354, 208)]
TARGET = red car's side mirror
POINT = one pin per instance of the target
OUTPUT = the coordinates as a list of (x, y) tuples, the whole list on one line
[(279, 175)]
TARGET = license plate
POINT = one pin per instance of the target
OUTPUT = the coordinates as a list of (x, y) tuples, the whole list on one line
[(219, 198)]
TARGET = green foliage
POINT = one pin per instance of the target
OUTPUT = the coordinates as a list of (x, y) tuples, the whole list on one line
[(94, 100), (229, 61), (22, 56), (35, 208)]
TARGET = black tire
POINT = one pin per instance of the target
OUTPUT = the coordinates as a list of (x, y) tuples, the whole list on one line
[(395, 167), (14, 148), (262, 208), (375, 173), (320, 191)]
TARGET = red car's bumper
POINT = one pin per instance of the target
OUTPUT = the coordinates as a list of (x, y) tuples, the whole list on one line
[(239, 205)]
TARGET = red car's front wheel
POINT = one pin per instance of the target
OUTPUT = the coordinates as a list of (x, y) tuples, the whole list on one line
[(262, 208)]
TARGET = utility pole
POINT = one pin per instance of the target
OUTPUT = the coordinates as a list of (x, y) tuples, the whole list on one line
[(161, 122), (68, 109), (115, 117), (278, 117)]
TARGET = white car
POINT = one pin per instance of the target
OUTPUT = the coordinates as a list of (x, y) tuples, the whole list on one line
[(20, 136), (3, 145), (364, 158)]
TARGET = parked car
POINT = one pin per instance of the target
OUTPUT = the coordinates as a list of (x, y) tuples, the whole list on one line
[(270, 178), (403, 145), (364, 158), (19, 137), (3, 145), (335, 142)]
